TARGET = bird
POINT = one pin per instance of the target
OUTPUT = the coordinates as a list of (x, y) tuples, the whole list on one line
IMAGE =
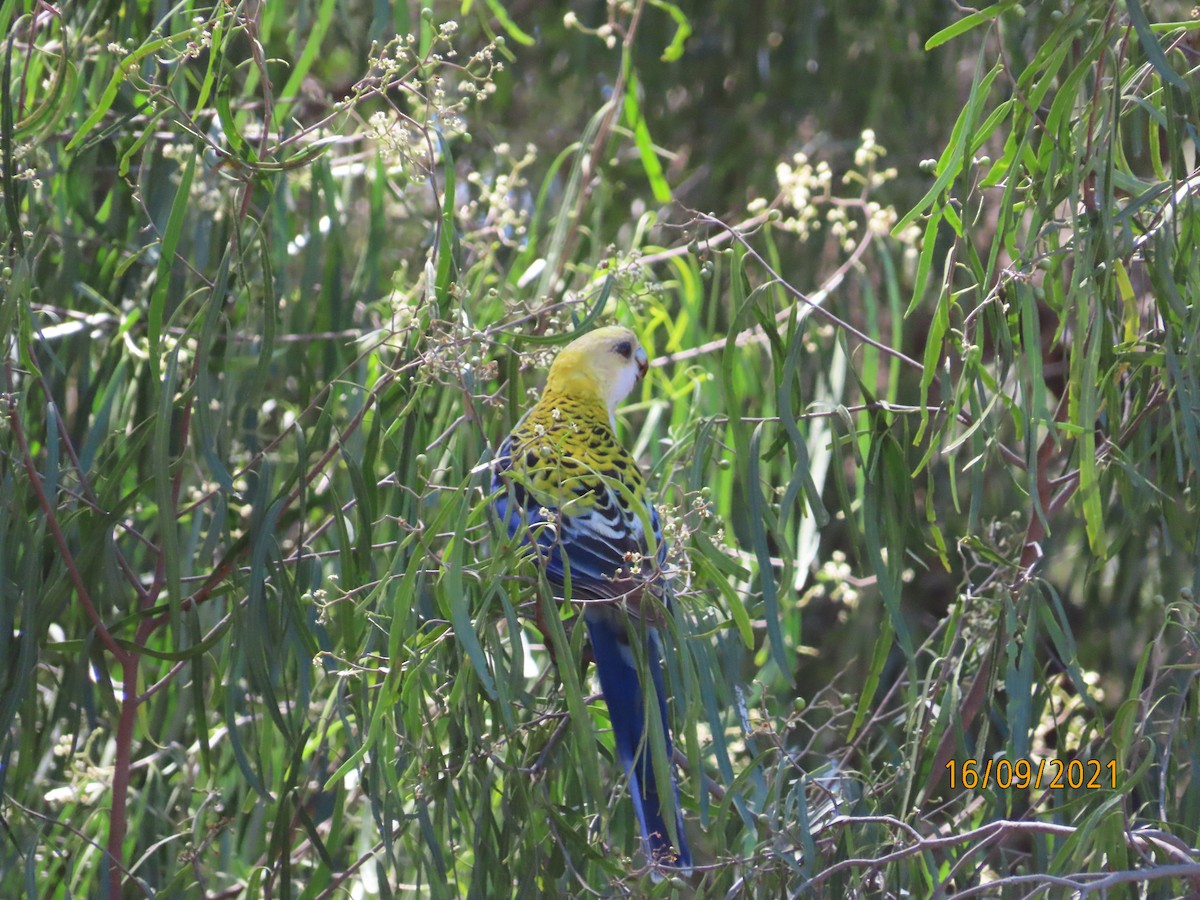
[(565, 487)]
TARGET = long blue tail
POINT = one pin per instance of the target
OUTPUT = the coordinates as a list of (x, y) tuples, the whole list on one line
[(623, 693)]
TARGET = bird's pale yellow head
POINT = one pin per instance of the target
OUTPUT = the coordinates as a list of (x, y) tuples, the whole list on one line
[(605, 363)]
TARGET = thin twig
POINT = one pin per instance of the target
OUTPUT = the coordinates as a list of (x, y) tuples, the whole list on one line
[(812, 304)]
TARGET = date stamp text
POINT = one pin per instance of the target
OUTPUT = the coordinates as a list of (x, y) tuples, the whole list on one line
[(1038, 774)]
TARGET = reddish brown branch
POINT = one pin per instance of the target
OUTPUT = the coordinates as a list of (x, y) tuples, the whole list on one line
[(122, 765)]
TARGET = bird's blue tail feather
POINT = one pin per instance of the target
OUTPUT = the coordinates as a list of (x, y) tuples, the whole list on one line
[(623, 694)]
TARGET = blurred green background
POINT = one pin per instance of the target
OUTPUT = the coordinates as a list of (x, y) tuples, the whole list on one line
[(920, 284)]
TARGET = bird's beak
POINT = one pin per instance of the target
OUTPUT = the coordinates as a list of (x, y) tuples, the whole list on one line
[(643, 362)]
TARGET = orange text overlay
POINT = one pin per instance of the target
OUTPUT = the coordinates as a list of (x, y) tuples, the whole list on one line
[(1039, 774)]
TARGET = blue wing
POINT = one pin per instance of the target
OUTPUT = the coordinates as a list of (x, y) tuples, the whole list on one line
[(596, 543)]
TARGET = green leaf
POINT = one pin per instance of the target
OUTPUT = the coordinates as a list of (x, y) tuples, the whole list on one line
[(766, 569), (1151, 47), (166, 261), (683, 29), (641, 137), (508, 24), (968, 22), (312, 45)]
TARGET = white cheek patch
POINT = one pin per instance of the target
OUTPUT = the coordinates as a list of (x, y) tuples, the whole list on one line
[(622, 385)]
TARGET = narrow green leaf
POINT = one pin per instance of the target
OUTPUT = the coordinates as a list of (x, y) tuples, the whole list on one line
[(1151, 47), (762, 552), (883, 649), (456, 599), (312, 45), (965, 24), (641, 137), (510, 27), (166, 261)]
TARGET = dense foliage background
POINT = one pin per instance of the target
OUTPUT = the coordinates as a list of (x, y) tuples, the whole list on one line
[(924, 422)]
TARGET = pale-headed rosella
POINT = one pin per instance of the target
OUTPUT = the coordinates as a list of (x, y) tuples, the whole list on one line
[(566, 487)]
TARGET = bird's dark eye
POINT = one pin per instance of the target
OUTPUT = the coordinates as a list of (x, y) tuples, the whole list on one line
[(624, 348)]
